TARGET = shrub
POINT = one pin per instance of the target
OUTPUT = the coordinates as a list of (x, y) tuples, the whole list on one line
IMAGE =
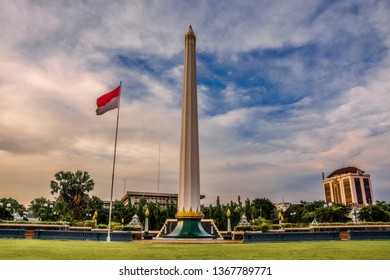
[(259, 224), (264, 227), (115, 226), (129, 228), (89, 223), (243, 228), (102, 226), (294, 225), (78, 223)]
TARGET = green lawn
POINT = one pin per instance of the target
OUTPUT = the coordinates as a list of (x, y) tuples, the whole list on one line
[(13, 249)]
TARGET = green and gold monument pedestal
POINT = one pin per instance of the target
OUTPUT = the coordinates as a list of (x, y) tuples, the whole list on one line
[(189, 228), (189, 225)]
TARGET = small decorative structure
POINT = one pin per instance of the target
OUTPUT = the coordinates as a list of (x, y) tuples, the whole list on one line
[(354, 215), (280, 217), (135, 222), (243, 222)]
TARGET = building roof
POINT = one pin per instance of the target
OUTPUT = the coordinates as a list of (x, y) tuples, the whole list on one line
[(153, 194), (135, 193), (346, 170)]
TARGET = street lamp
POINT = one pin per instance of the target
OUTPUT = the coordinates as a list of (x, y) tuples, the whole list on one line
[(6, 207), (55, 214), (327, 205), (47, 208), (146, 232), (292, 214), (229, 226)]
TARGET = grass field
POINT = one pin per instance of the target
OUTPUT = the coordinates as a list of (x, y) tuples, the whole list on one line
[(13, 249)]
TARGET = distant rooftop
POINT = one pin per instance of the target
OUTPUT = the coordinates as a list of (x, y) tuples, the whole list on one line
[(152, 194), (346, 170)]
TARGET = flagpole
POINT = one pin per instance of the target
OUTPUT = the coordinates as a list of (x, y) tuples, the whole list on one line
[(113, 165)]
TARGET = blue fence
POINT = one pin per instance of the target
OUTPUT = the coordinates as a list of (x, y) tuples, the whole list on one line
[(290, 236), (12, 233), (368, 234), (81, 235)]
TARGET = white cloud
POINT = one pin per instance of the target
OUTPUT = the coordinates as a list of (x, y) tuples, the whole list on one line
[(59, 57)]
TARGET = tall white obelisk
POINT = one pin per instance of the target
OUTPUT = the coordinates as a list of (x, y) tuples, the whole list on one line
[(189, 189), (189, 213)]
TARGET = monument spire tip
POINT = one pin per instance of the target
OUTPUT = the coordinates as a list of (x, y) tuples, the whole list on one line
[(190, 31)]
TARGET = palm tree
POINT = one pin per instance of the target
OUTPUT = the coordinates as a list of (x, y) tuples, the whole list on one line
[(73, 189)]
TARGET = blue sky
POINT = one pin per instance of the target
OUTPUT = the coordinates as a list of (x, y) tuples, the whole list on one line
[(286, 90)]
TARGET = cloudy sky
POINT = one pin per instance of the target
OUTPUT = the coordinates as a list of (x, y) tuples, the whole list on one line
[(286, 90)]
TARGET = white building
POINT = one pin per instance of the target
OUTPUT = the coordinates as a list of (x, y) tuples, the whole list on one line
[(349, 186)]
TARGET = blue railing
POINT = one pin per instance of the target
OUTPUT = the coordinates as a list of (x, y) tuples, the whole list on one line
[(290, 236), (81, 235), (12, 233), (368, 234)]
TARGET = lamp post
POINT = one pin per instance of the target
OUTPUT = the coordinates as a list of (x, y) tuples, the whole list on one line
[(4, 213), (229, 226), (292, 215), (55, 215), (48, 210), (327, 205), (228, 235), (146, 232), (6, 210)]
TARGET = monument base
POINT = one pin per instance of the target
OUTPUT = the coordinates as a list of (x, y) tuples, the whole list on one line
[(189, 228)]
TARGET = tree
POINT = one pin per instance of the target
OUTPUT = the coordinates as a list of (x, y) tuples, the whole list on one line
[(294, 214), (335, 213), (73, 189), (118, 211), (8, 206), (263, 207), (40, 208), (375, 213), (95, 204), (247, 208)]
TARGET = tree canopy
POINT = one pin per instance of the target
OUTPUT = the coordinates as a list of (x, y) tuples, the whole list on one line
[(73, 189)]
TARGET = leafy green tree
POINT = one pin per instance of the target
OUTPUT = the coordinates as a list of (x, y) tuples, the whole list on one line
[(42, 208), (95, 204), (263, 207), (8, 206), (207, 211), (247, 208), (294, 214), (119, 211), (60, 210), (335, 213), (141, 208), (217, 214), (171, 208), (73, 189), (375, 213), (310, 210)]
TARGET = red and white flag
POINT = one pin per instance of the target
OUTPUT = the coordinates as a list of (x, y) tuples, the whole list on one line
[(108, 101)]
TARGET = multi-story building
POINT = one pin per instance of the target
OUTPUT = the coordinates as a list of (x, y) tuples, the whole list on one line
[(349, 186), (161, 198)]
